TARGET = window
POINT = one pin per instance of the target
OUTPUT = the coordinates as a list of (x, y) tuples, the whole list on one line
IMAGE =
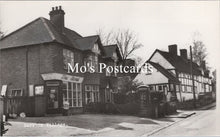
[(160, 87), (16, 92), (177, 87), (171, 87), (39, 90), (68, 57), (189, 89), (183, 88), (72, 93), (92, 60), (107, 73), (92, 93)]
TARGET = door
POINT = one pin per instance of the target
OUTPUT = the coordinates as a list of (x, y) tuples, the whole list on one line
[(52, 98)]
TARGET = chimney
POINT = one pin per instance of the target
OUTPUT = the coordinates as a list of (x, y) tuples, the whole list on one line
[(173, 49), (183, 53), (57, 18)]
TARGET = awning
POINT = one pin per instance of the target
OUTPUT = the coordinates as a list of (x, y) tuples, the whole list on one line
[(63, 77)]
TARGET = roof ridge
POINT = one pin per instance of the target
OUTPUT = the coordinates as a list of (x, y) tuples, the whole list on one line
[(48, 28), (21, 28), (73, 31)]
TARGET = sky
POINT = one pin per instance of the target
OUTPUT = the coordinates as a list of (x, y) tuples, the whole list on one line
[(156, 23)]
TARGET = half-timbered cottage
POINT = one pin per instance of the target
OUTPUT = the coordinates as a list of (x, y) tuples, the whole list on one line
[(172, 75)]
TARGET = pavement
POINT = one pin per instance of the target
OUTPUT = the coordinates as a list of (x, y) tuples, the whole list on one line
[(203, 123), (97, 124)]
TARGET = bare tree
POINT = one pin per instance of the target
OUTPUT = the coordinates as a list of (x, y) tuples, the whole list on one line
[(125, 39), (106, 38), (199, 51)]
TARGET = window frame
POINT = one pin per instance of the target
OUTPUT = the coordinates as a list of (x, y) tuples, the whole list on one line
[(74, 100), (68, 57), (21, 91)]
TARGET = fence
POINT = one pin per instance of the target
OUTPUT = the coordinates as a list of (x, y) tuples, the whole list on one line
[(16, 105)]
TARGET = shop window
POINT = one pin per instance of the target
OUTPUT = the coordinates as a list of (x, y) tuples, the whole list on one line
[(68, 57), (72, 93), (16, 92)]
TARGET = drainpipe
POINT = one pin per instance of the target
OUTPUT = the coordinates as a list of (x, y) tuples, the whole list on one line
[(27, 72), (193, 84)]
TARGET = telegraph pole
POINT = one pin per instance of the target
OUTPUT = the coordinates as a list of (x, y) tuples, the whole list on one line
[(192, 75)]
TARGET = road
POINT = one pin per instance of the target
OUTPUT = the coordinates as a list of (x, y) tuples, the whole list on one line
[(204, 123)]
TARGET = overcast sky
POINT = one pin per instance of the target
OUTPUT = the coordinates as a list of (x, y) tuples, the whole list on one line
[(157, 23)]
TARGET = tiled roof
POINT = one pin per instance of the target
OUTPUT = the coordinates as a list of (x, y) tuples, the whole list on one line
[(110, 49), (165, 72), (42, 31), (180, 63), (86, 43)]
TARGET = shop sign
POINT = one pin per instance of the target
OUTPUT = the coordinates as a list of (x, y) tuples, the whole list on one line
[(63, 77)]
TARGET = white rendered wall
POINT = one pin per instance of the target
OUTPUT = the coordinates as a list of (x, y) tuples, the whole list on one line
[(155, 78), (158, 58)]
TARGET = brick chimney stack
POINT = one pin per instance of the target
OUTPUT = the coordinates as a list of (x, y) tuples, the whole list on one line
[(173, 49), (183, 53), (203, 65), (57, 17)]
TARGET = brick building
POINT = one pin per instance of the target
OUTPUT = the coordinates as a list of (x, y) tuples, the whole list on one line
[(34, 61)]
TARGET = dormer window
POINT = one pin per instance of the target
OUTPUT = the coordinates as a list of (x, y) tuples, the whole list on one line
[(114, 56), (96, 49), (68, 57)]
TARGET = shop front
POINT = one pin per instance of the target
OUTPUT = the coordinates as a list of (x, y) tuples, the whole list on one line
[(60, 89)]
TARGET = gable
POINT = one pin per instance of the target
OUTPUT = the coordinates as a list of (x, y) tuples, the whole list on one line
[(96, 49), (158, 58), (156, 77)]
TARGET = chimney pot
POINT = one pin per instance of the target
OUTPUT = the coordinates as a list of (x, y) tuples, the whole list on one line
[(57, 18)]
